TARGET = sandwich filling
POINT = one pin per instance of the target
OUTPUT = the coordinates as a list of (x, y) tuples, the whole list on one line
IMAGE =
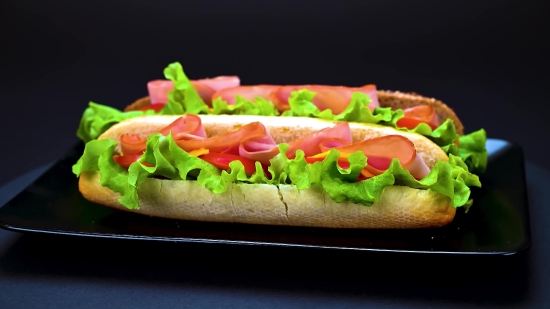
[(326, 160), (178, 95)]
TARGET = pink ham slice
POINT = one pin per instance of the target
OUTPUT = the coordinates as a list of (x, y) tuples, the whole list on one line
[(206, 87), (251, 141), (188, 127), (335, 98), (220, 82), (381, 150), (249, 93), (158, 90), (310, 144)]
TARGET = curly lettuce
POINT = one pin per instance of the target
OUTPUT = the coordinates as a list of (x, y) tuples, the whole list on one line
[(258, 107), (98, 118), (183, 98), (471, 149), (164, 158)]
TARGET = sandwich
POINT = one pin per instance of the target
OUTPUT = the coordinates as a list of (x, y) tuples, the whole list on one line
[(280, 155)]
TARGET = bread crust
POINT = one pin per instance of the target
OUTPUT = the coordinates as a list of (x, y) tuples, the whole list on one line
[(399, 207), (386, 98)]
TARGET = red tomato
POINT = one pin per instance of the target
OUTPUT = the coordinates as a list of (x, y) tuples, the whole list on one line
[(127, 160), (155, 106), (222, 160)]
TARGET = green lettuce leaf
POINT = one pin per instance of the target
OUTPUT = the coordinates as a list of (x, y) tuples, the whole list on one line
[(167, 160), (184, 98), (472, 148), (301, 105), (260, 107), (451, 179), (98, 118)]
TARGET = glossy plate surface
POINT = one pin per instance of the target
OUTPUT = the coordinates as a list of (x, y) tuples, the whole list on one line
[(498, 222)]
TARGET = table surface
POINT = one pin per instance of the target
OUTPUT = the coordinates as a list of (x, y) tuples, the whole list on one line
[(487, 60), (47, 271)]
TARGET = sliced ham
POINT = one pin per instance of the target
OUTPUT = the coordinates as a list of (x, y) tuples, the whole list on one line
[(419, 114), (380, 151), (132, 144), (260, 149), (188, 127), (335, 98), (371, 91), (251, 141), (254, 142), (220, 82), (158, 90), (204, 92), (206, 87), (249, 93), (310, 144)]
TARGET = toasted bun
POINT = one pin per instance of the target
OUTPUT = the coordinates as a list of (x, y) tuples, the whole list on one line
[(139, 103), (393, 99), (399, 207)]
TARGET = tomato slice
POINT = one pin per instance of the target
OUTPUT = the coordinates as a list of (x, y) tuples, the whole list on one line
[(126, 160), (155, 106), (222, 160)]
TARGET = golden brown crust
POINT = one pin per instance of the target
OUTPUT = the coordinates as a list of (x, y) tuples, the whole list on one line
[(396, 99), (399, 207), (139, 103)]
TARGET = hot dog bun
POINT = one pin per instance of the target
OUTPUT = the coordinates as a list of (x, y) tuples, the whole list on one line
[(393, 99), (399, 207)]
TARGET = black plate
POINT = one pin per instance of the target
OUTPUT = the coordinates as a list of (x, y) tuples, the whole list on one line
[(498, 222)]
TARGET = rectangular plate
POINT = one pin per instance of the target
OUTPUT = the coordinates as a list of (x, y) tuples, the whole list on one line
[(498, 222)]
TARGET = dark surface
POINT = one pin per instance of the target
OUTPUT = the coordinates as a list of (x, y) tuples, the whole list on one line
[(489, 60), (498, 222), (41, 271)]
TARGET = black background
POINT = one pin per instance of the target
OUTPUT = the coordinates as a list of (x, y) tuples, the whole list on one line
[(488, 60)]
